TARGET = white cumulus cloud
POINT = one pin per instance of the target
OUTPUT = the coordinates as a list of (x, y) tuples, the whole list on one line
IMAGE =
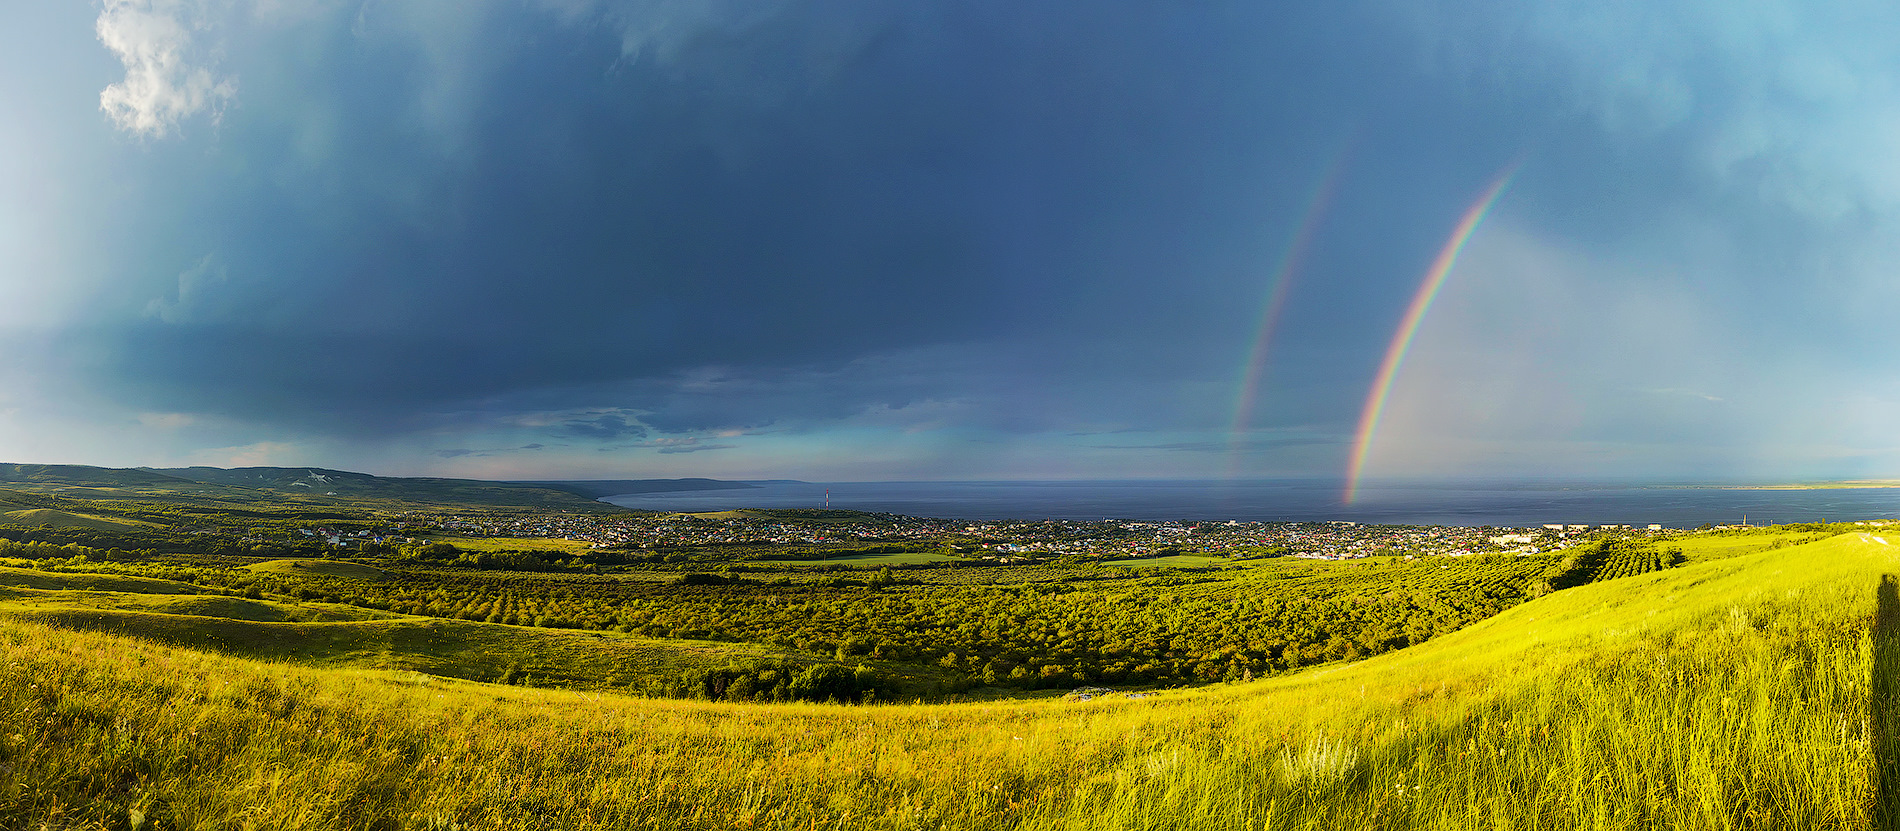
[(167, 77)]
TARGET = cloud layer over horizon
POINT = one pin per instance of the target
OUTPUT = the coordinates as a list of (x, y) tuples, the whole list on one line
[(853, 240)]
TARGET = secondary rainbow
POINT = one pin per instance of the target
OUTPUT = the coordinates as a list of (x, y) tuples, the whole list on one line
[(1255, 367), (1402, 339)]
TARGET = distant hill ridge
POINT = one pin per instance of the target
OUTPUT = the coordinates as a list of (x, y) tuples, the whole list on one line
[(316, 479), (341, 484), (324, 479), (84, 476)]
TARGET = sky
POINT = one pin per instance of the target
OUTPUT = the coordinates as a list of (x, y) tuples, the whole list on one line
[(844, 240)]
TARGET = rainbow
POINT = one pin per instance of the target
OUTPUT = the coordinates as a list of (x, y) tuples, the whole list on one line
[(1255, 367), (1402, 339)]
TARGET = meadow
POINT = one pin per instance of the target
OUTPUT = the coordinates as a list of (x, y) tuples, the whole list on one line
[(1751, 691)]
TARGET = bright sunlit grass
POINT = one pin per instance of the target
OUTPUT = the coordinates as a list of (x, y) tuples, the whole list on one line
[(1728, 694)]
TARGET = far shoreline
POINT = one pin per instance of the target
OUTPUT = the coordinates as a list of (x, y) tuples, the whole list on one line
[(1849, 484)]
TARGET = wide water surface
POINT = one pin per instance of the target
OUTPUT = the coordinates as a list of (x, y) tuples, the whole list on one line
[(1512, 504)]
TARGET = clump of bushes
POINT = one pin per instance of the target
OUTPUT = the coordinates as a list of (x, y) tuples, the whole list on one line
[(780, 681)]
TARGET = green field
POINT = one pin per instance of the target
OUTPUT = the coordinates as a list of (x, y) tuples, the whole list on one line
[(320, 568), (1710, 545), (57, 603), (1741, 693), (48, 517), (447, 648)]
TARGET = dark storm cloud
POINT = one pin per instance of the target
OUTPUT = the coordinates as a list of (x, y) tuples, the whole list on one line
[(264, 229), (390, 235), (603, 427), (608, 222)]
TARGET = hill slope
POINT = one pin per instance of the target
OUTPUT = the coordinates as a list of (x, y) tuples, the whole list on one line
[(86, 476), (347, 485), (1737, 693), (338, 635), (322, 568), (368, 640), (51, 518)]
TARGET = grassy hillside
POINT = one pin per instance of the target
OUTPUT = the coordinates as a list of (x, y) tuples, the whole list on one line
[(31, 579), (448, 648), (319, 483), (339, 635), (1735, 693), (320, 568), (57, 604), (1711, 546), (86, 476), (50, 518), (238, 488)]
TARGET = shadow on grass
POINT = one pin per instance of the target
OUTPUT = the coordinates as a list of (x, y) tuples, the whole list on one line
[(1883, 705)]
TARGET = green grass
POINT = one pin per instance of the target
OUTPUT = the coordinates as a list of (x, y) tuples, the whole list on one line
[(321, 568), (28, 600), (31, 579), (1729, 694), (1717, 544), (50, 518), (338, 635), (449, 648)]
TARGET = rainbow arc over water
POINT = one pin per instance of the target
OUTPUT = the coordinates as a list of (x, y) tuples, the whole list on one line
[(1408, 326), (1254, 369)]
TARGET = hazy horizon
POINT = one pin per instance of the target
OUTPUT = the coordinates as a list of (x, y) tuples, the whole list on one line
[(1370, 483)]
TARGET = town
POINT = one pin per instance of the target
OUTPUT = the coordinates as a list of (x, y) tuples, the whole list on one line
[(1003, 541)]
